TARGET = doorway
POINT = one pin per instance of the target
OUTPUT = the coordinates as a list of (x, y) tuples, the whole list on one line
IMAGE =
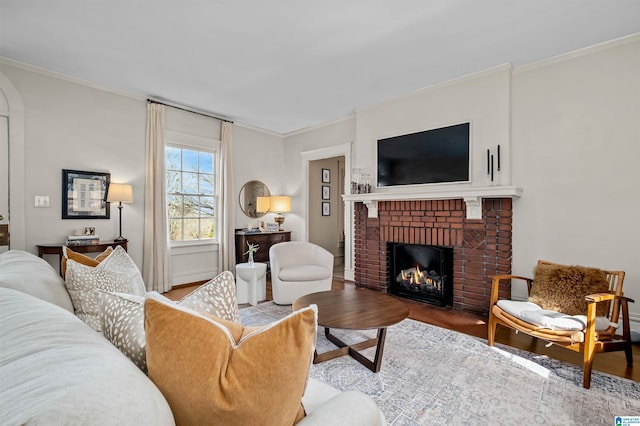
[(314, 208), (326, 208)]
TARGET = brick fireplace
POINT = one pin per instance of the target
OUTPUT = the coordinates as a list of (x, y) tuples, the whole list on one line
[(481, 247)]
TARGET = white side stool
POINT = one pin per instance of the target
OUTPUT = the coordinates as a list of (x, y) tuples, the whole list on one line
[(251, 282)]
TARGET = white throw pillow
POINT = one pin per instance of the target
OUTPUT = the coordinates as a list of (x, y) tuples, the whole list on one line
[(122, 315), (117, 273)]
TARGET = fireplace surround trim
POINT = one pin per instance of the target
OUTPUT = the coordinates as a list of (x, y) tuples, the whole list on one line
[(472, 197)]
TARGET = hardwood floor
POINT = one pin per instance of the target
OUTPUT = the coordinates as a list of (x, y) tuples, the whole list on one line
[(476, 325)]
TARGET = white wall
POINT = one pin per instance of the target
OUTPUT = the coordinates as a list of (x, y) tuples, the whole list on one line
[(258, 155), (482, 99), (74, 125), (570, 132), (576, 148), (323, 137)]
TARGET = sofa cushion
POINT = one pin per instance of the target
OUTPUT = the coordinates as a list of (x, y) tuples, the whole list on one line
[(534, 314), (117, 273), (304, 273), (68, 253), (30, 274), (122, 315), (563, 288), (211, 369), (56, 370)]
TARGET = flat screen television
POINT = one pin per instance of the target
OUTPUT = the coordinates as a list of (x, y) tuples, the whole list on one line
[(432, 156)]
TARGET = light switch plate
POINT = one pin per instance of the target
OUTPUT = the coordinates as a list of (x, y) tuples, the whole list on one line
[(41, 201)]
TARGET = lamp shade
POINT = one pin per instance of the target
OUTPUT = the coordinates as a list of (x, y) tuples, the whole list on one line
[(120, 192), (280, 203), (262, 204)]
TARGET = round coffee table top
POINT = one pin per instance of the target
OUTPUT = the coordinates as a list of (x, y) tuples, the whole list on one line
[(360, 309)]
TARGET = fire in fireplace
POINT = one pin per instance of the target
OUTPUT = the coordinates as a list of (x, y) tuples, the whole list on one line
[(421, 272)]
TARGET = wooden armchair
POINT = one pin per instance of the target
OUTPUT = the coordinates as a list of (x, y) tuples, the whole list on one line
[(588, 341)]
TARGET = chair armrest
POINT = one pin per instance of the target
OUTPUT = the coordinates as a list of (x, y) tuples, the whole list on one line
[(495, 287), (601, 297), (594, 299)]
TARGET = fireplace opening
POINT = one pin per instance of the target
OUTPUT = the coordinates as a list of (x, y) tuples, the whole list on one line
[(421, 272)]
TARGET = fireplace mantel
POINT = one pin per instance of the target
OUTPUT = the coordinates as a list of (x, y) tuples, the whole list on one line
[(472, 197)]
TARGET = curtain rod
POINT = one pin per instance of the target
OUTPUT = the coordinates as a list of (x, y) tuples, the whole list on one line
[(183, 108)]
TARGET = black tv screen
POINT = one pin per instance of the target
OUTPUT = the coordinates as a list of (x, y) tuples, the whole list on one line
[(432, 156)]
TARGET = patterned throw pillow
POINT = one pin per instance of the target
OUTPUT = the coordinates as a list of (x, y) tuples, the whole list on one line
[(117, 273), (122, 315), (208, 368), (216, 297)]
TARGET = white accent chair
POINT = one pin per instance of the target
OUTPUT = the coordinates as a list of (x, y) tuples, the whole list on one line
[(299, 268)]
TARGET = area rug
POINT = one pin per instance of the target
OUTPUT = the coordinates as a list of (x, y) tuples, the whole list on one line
[(434, 376)]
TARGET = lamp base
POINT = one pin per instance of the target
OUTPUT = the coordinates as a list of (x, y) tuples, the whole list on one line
[(279, 219), (120, 238)]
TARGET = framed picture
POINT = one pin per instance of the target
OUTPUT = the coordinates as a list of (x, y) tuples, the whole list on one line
[(326, 176), (84, 195), (326, 193), (272, 227), (326, 208)]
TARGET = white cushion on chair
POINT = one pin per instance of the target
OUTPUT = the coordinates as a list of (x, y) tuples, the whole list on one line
[(534, 314), (304, 273), (297, 269)]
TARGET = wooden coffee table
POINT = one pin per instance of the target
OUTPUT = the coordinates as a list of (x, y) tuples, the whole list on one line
[(360, 309)]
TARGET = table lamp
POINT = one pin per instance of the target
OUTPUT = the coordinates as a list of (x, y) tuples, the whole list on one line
[(280, 204), (121, 193), (262, 204)]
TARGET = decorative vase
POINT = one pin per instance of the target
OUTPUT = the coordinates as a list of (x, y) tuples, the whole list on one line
[(250, 258)]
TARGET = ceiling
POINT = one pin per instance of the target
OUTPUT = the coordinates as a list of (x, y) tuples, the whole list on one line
[(284, 65)]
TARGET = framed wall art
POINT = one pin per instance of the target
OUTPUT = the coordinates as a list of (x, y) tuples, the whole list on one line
[(84, 195), (326, 208), (326, 175), (326, 192)]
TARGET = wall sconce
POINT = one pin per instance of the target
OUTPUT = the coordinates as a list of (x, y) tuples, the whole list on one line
[(120, 193), (280, 204)]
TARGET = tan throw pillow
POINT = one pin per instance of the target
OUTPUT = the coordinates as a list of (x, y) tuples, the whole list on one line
[(117, 273), (215, 371), (122, 315), (67, 254), (563, 288)]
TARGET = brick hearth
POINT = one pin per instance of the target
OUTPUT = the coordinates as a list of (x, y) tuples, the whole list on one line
[(481, 247)]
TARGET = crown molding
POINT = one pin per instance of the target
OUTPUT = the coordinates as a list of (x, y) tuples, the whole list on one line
[(437, 86), (632, 38), (71, 79)]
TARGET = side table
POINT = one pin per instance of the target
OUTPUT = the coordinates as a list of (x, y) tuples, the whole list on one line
[(251, 282)]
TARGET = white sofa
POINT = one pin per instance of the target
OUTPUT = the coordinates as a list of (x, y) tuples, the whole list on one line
[(55, 369), (297, 269)]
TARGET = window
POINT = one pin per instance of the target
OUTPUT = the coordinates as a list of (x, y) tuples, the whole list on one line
[(191, 193)]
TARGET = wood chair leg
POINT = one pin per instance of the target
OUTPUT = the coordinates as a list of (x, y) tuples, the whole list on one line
[(628, 351), (492, 330), (587, 367)]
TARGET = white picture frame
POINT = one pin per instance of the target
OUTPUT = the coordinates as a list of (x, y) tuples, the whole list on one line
[(272, 227)]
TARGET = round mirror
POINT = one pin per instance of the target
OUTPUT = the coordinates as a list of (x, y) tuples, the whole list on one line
[(248, 194)]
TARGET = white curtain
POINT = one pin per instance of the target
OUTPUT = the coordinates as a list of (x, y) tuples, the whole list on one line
[(155, 264), (226, 201)]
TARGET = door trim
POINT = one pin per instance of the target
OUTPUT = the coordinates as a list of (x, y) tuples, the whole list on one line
[(343, 150)]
